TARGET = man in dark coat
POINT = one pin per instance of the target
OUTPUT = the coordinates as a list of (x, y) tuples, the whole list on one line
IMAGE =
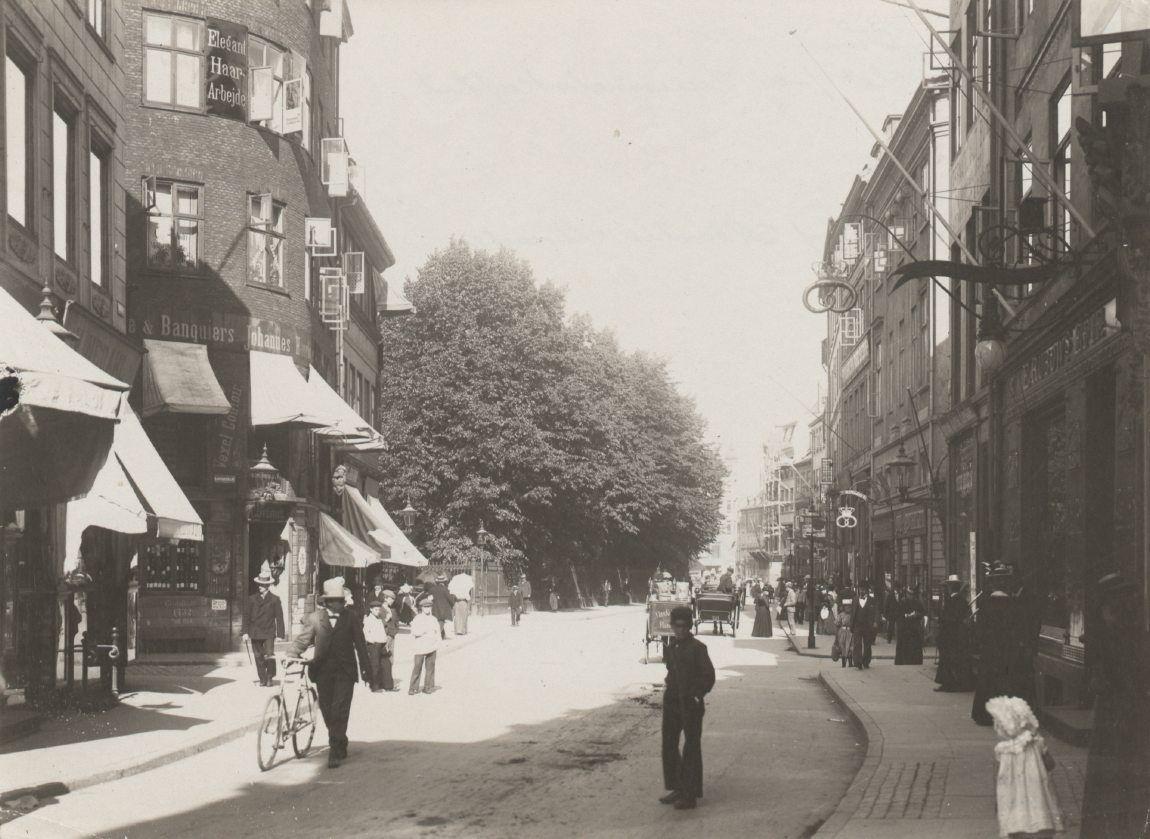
[(263, 623), (690, 677), (953, 672), (892, 611), (864, 627), (727, 582), (441, 606), (910, 629), (336, 632), (1116, 801)]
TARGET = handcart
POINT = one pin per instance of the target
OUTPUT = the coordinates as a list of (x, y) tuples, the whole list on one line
[(719, 608)]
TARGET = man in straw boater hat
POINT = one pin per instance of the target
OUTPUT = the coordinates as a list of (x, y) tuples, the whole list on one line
[(263, 623), (337, 635), (690, 677)]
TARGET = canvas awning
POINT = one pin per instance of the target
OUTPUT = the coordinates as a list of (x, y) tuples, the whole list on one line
[(178, 378), (363, 522), (389, 298), (57, 413), (338, 547), (280, 393), (132, 485), (348, 426), (402, 551)]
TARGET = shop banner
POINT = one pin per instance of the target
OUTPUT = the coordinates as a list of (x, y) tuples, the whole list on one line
[(226, 70)]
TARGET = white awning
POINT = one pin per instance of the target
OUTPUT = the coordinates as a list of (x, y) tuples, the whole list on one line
[(340, 548), (389, 298), (57, 413), (133, 483), (402, 551), (281, 394), (349, 426), (178, 378)]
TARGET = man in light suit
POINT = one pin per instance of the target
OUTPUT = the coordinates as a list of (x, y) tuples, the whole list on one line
[(336, 632)]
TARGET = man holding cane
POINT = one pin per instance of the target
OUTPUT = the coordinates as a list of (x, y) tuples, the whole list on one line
[(263, 623), (690, 676)]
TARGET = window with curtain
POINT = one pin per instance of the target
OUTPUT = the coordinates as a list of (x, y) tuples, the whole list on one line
[(63, 194), (174, 226), (18, 139), (265, 240), (173, 61)]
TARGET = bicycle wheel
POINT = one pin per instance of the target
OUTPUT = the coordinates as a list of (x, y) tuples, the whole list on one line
[(303, 729), (270, 735)]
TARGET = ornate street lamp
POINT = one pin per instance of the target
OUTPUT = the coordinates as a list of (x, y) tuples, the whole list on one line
[(990, 351), (408, 515), (898, 471), (482, 535)]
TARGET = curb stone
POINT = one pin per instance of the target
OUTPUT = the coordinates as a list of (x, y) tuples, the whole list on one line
[(848, 805)]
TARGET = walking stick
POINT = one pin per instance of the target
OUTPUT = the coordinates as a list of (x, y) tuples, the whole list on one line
[(248, 649)]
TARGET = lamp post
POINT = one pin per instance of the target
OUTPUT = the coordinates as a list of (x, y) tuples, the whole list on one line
[(408, 515), (811, 514)]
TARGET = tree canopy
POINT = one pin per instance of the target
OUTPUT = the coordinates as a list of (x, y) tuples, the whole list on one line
[(572, 453)]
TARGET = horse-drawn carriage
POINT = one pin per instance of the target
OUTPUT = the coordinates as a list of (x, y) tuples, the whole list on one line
[(718, 607)]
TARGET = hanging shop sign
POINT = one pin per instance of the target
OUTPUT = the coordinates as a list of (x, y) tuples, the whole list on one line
[(226, 70), (220, 329), (846, 517)]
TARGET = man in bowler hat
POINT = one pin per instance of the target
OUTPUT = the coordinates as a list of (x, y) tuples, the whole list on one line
[(336, 632), (690, 676), (263, 623)]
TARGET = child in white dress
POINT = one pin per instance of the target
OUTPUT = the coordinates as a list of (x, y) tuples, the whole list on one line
[(1027, 806)]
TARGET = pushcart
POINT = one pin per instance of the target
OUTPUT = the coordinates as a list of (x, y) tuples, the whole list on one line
[(659, 623)]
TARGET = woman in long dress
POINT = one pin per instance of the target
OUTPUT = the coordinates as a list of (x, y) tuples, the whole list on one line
[(762, 627), (844, 639), (908, 646)]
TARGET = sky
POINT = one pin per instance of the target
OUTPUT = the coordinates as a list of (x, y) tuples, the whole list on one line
[(672, 165)]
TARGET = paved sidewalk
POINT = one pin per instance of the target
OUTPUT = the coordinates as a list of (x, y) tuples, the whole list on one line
[(880, 650), (176, 707), (929, 770)]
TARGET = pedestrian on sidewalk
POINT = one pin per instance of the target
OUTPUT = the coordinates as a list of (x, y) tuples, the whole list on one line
[(515, 604), (460, 588), (864, 628), (425, 638), (406, 611), (790, 603), (553, 600), (954, 672), (375, 635), (908, 650), (336, 632), (995, 656), (762, 627), (1027, 805), (844, 638), (441, 606), (892, 611), (391, 627), (263, 623), (690, 677)]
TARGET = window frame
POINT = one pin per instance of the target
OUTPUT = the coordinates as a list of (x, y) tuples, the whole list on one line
[(175, 216), (63, 111), (1061, 160), (97, 23), (99, 230), (271, 232), (26, 64), (170, 554), (173, 50)]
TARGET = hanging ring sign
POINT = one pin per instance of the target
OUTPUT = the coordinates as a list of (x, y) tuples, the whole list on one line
[(846, 517)]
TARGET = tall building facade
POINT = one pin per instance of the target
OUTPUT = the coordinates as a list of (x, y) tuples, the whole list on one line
[(254, 279)]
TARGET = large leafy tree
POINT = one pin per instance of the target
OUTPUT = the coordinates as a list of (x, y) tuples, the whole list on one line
[(571, 453)]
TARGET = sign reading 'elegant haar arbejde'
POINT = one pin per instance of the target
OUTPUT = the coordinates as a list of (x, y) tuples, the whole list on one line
[(226, 71)]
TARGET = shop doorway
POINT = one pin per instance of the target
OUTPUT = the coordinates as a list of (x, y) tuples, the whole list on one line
[(266, 545)]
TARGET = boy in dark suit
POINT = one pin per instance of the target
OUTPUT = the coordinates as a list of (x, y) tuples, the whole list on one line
[(690, 677), (336, 632), (263, 623), (864, 627)]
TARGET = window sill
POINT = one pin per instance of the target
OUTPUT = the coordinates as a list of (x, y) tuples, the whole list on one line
[(164, 106), (274, 289), (175, 273)]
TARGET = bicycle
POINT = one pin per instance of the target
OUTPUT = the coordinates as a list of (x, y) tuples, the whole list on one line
[(278, 723)]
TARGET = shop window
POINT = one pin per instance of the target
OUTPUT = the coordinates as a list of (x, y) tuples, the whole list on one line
[(63, 194), (98, 194), (265, 240), (176, 568), (174, 220), (173, 61), (18, 138)]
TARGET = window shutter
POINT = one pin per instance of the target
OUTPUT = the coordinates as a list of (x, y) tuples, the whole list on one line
[(148, 192), (261, 81)]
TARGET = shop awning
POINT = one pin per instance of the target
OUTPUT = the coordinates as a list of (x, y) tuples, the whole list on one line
[(348, 426), (402, 551), (178, 379), (132, 485), (362, 521), (389, 298), (280, 393), (340, 548), (57, 413)]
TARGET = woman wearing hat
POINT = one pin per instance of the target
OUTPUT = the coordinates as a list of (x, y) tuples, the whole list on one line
[(953, 672), (340, 659)]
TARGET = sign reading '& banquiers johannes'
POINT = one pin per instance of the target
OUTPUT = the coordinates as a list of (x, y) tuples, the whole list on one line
[(227, 70)]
